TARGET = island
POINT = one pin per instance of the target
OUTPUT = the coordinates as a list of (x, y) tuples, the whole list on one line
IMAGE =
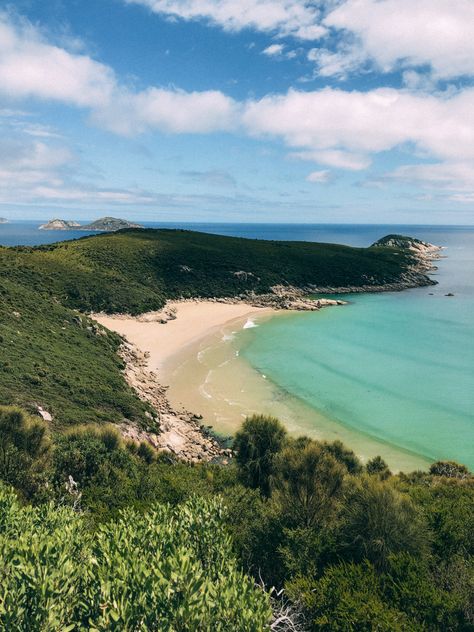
[(3, 220), (105, 224), (60, 224)]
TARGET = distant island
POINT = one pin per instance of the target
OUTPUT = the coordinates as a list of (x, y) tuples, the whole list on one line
[(105, 224), (3, 220)]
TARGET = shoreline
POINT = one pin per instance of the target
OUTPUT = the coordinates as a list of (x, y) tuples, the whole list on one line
[(153, 339), (173, 346)]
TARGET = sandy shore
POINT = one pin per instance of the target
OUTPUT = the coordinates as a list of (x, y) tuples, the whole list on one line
[(194, 354), (194, 321)]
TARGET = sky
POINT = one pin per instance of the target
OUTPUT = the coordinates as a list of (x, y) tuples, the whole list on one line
[(321, 111)]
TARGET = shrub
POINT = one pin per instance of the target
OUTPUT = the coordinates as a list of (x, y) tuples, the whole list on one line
[(168, 569), (24, 448), (347, 599), (256, 444), (379, 521), (378, 466), (308, 483)]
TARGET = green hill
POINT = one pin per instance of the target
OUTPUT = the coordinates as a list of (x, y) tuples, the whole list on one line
[(138, 270)]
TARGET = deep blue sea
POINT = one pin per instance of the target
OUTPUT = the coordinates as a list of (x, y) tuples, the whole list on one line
[(398, 367)]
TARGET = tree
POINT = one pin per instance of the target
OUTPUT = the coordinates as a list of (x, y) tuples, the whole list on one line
[(344, 455), (378, 467), (308, 482), (256, 444), (450, 469)]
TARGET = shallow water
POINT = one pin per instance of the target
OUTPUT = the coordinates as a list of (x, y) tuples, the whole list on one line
[(397, 366)]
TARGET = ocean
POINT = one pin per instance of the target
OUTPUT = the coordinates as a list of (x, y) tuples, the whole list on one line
[(396, 369)]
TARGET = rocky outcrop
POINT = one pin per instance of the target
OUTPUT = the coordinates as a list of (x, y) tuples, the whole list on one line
[(3, 220), (180, 432), (423, 253)]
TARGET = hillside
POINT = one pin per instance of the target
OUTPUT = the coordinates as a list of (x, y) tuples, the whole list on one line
[(55, 358), (138, 270)]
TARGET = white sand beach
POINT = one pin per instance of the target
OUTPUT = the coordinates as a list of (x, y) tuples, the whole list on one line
[(194, 321)]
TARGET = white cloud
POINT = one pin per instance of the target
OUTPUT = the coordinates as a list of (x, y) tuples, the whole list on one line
[(31, 67), (437, 33), (338, 63), (273, 50), (174, 111), (319, 177), (299, 18), (364, 123), (335, 158)]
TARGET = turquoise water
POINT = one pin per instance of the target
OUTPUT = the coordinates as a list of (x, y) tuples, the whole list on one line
[(396, 366)]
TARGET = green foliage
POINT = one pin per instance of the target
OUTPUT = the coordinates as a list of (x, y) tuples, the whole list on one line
[(137, 270), (409, 585), (255, 445), (378, 466), (379, 521), (449, 469), (308, 483), (347, 599), (449, 509), (168, 569), (62, 361), (343, 455), (24, 447)]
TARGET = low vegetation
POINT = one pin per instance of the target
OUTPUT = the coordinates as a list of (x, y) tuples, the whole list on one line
[(102, 534)]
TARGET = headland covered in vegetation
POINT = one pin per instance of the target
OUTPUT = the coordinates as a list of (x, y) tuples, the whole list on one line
[(103, 527)]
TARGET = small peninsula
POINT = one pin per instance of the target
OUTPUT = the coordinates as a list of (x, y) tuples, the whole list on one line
[(105, 224)]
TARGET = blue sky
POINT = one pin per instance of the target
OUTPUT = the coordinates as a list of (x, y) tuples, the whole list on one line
[(238, 110)]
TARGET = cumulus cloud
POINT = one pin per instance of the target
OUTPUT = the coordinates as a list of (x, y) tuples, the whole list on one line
[(436, 33), (362, 123), (299, 18), (32, 67), (168, 110)]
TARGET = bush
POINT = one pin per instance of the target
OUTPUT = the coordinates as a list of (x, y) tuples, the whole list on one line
[(450, 469), (24, 448), (255, 446), (307, 483), (168, 569), (379, 521), (378, 466), (347, 599)]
